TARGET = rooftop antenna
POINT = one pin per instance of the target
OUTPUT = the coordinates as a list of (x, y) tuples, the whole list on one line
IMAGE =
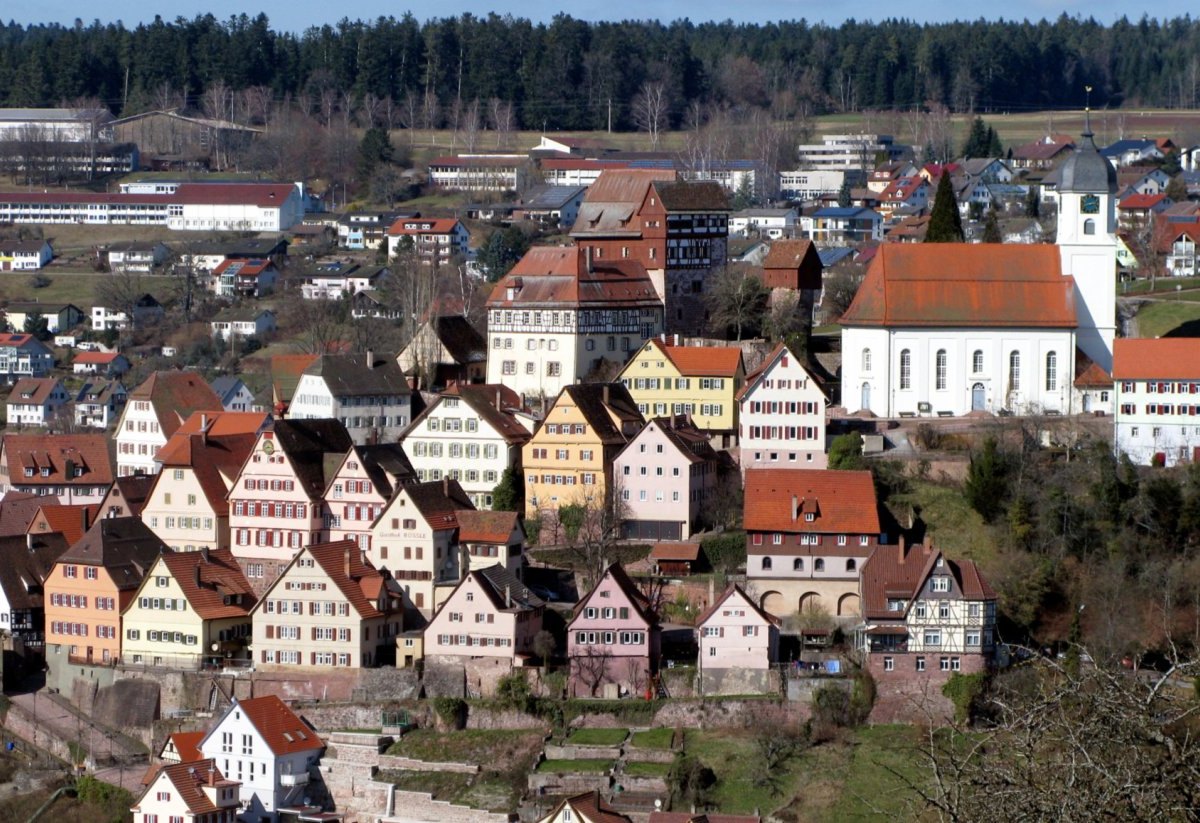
[(1087, 112)]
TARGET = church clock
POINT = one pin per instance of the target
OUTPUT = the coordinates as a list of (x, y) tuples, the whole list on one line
[(1089, 204)]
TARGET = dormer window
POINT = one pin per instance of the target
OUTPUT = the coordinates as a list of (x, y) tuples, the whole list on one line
[(809, 517)]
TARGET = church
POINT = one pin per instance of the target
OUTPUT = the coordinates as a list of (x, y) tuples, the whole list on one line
[(945, 329)]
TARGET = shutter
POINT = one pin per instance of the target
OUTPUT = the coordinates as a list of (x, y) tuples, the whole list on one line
[(270, 633)]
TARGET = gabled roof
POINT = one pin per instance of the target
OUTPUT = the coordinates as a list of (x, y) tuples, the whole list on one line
[(754, 378), (314, 448), (900, 571), (1088, 373), (17, 510), (72, 459), (134, 489), (69, 521), (495, 404), (600, 403), (39, 390), (174, 395), (691, 442), (438, 501), (215, 453), (357, 580), (21, 340), (689, 552), (95, 358), (282, 730), (464, 343), (187, 745), (1141, 201), (285, 373), (422, 225), (213, 583), (730, 592), (702, 817), (942, 285), (633, 594), (25, 562), (386, 464), (1163, 358), (561, 276), (588, 807), (187, 778), (123, 545), (505, 590), (799, 256), (702, 361), (614, 198), (353, 375), (843, 502), (692, 195)]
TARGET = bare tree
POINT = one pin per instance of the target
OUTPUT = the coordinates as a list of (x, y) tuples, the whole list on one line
[(650, 110), (736, 301), (472, 122), (590, 666), (121, 291), (500, 118), (369, 110)]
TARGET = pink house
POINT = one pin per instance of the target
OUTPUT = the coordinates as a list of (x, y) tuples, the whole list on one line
[(489, 614), (738, 643), (613, 640)]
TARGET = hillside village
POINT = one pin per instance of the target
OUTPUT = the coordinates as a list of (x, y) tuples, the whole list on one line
[(603, 495)]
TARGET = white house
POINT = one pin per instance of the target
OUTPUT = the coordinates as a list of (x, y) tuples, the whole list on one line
[(98, 403), (435, 241), (1157, 384), (23, 355), (24, 255), (243, 321), (234, 394), (146, 311), (368, 394), (335, 280), (782, 420), (266, 747), (155, 409), (738, 643), (807, 185), (772, 223), (34, 401), (839, 226), (137, 257), (191, 791), (470, 433)]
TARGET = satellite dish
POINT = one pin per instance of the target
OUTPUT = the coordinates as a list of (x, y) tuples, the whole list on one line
[(657, 805), (215, 647)]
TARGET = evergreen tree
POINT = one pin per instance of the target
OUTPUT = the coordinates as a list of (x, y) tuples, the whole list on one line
[(987, 480), (374, 150), (1033, 203), (507, 497), (844, 194), (945, 223), (982, 141), (501, 251), (991, 228)]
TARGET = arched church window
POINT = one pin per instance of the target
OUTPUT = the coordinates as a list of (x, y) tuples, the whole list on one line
[(866, 360), (1052, 371), (1089, 226), (941, 369), (977, 362), (1014, 370), (905, 370)]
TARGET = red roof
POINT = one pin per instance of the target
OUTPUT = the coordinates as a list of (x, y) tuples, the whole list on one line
[(549, 276), (282, 729), (698, 361), (1141, 201), (485, 526), (417, 225), (361, 586), (187, 744), (87, 454), (1163, 358), (263, 195), (208, 579), (899, 572), (188, 779), (963, 284), (69, 521), (249, 268), (174, 395), (97, 358), (675, 551), (841, 502)]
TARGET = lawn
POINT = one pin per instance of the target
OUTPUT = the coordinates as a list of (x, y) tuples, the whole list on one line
[(1161, 285), (76, 287), (597, 737), (575, 766), (955, 526), (1163, 318), (653, 739), (483, 746), (647, 769)]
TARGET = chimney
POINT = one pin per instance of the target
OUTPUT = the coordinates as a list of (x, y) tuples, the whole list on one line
[(29, 540), (204, 554), (795, 508), (587, 259), (605, 393), (83, 517), (212, 775), (499, 407), (903, 549), (508, 596), (445, 486), (196, 574), (370, 359), (346, 564)]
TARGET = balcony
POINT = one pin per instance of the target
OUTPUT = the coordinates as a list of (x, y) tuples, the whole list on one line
[(297, 779)]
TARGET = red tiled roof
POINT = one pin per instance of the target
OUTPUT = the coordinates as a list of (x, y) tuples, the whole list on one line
[(187, 744), (248, 268), (174, 395), (38, 389), (560, 276), (361, 586), (207, 578), (263, 195), (675, 551), (485, 526), (702, 817), (900, 571), (697, 361), (98, 358), (282, 730), (1164, 358), (223, 423), (188, 778), (86, 452), (417, 225), (69, 520), (843, 502), (961, 284), (1141, 201), (589, 808)]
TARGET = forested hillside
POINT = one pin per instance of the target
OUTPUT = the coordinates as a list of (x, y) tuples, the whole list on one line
[(570, 74)]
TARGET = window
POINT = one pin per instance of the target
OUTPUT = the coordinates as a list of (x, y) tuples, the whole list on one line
[(920, 664), (819, 565), (905, 370), (766, 564), (889, 664), (944, 611), (933, 637), (940, 366), (866, 360), (851, 565), (1052, 372), (941, 583), (1089, 226), (977, 363), (1014, 370)]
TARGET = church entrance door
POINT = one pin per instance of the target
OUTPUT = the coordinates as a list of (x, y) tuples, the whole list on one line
[(866, 396), (978, 397)]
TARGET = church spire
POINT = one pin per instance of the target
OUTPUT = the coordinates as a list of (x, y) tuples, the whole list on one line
[(1087, 113)]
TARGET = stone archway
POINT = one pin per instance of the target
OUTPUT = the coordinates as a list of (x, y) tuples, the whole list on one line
[(773, 603), (848, 605), (810, 601)]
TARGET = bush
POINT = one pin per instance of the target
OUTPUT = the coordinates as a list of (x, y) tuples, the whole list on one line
[(964, 691), (830, 711), (725, 552), (846, 452), (862, 697), (512, 692), (689, 781), (452, 711)]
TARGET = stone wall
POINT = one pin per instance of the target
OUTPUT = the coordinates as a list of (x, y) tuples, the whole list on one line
[(739, 681), (419, 807), (568, 783), (389, 762), (905, 695), (445, 679), (387, 684), (567, 751)]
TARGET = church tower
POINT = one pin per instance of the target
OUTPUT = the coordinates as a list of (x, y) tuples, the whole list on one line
[(1087, 244)]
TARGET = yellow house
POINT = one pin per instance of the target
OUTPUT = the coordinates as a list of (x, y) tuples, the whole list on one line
[(569, 458), (700, 381), (190, 606)]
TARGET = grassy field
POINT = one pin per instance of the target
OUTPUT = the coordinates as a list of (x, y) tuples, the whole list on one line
[(598, 737), (653, 739), (1160, 285), (469, 746), (845, 780), (1169, 318), (71, 287), (98, 803), (955, 527)]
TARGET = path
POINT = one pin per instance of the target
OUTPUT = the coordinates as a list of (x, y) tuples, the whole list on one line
[(63, 721)]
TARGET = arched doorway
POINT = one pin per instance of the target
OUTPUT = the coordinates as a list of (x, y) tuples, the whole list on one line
[(847, 605), (866, 396), (773, 603), (809, 602), (978, 397)]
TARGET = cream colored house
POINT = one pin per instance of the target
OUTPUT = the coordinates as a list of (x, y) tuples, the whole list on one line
[(329, 608), (191, 607), (191, 792), (489, 614), (360, 488)]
